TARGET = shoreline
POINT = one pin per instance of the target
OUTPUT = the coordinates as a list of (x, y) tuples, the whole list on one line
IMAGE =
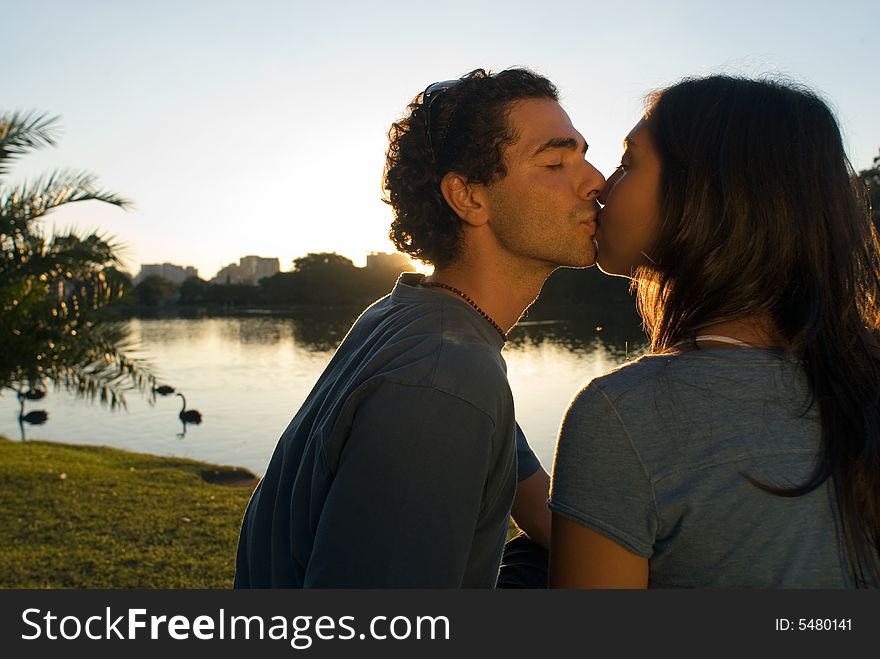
[(218, 474)]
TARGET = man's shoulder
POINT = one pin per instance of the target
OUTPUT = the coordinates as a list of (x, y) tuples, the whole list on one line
[(462, 358), (439, 326), (428, 341), (390, 321), (474, 371)]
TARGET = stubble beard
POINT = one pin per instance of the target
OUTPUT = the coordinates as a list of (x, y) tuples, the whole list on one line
[(526, 236)]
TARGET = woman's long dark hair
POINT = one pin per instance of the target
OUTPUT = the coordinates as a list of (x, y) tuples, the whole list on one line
[(761, 213)]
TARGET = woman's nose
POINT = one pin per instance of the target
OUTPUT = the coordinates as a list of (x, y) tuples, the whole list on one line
[(610, 183)]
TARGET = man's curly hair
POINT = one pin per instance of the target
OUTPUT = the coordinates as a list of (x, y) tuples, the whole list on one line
[(470, 131)]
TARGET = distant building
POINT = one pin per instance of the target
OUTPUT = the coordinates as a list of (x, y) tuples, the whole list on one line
[(176, 273), (384, 261), (249, 270)]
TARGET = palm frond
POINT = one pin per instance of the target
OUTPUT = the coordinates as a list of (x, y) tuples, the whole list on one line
[(23, 132), (28, 201), (91, 250), (97, 362), (108, 366)]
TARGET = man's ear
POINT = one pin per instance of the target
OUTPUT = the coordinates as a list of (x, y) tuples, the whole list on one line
[(468, 200)]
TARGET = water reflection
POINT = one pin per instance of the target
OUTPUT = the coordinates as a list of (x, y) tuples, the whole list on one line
[(257, 331), (325, 329), (317, 329), (616, 327), (168, 328)]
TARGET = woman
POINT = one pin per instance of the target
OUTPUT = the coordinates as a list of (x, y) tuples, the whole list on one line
[(743, 450)]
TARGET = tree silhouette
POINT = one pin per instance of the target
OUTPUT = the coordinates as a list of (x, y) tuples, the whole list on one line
[(324, 278), (155, 291), (54, 286), (193, 291)]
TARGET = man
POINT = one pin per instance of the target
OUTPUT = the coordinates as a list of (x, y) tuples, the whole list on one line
[(400, 468)]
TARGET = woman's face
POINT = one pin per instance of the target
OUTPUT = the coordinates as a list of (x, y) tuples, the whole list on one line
[(630, 220)]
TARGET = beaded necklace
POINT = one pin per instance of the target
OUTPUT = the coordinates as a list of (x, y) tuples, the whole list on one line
[(466, 298)]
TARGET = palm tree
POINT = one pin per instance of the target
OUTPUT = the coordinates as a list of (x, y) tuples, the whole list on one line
[(54, 287)]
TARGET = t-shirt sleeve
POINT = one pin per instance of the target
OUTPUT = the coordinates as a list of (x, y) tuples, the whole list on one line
[(527, 462), (599, 480), (405, 500)]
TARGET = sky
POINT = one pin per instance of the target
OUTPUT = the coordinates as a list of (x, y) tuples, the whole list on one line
[(260, 127)]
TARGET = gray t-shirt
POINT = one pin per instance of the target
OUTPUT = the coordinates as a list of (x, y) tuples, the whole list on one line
[(653, 455), (399, 470)]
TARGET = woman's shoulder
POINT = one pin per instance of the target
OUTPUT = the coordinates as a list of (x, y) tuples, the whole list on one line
[(692, 373), (636, 375), (601, 397)]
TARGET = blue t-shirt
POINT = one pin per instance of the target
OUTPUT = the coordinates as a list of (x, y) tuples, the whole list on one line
[(654, 456), (399, 470)]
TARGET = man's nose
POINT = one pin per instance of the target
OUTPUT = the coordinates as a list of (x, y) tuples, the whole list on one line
[(593, 182)]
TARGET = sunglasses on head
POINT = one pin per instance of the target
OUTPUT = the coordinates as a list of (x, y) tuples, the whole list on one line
[(429, 96)]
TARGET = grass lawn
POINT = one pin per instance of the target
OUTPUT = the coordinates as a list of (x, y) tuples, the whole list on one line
[(92, 517)]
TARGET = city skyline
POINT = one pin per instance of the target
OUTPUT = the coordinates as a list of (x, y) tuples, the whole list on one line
[(177, 273), (262, 127)]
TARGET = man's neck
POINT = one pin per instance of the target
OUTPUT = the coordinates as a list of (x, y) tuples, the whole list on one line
[(503, 292)]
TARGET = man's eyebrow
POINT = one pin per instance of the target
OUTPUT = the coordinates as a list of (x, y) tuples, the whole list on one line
[(559, 143), (628, 143)]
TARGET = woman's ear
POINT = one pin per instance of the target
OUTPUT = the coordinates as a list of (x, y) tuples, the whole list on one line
[(468, 200)]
